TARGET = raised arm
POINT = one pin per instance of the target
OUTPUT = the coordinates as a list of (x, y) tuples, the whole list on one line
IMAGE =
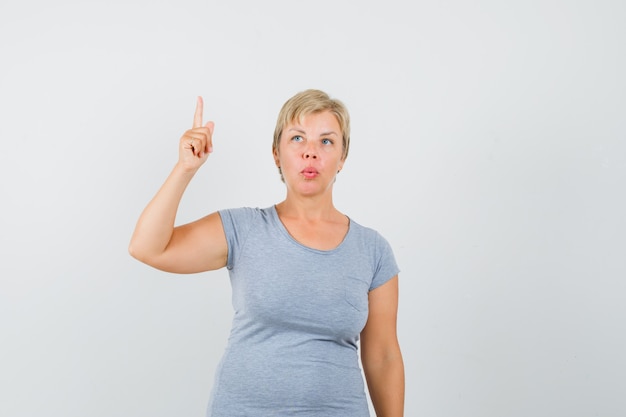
[(194, 247), (380, 352)]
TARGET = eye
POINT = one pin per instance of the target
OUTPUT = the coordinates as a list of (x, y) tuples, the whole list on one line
[(297, 139), (327, 142)]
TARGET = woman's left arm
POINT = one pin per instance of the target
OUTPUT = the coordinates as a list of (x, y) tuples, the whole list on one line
[(380, 352)]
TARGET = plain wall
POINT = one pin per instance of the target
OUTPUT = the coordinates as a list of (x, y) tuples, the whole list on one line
[(488, 147)]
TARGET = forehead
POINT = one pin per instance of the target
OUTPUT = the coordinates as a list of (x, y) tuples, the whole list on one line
[(325, 121)]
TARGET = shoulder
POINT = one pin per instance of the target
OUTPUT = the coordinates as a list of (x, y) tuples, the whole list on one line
[(367, 234), (380, 256), (243, 219), (371, 241), (244, 214)]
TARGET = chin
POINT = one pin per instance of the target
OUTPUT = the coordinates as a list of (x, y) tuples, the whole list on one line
[(310, 188)]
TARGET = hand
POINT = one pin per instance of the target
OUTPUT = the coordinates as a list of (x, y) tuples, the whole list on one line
[(197, 143)]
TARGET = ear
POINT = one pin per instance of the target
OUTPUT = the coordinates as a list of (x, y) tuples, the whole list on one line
[(276, 157), (340, 166)]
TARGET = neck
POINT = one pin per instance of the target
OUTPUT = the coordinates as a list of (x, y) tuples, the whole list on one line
[(309, 208)]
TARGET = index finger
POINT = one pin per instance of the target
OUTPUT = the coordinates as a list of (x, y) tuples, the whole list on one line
[(197, 118)]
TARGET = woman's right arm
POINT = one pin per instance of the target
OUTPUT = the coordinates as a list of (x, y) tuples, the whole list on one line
[(195, 247)]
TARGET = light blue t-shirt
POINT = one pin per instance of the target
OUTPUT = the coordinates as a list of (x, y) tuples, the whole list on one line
[(299, 311)]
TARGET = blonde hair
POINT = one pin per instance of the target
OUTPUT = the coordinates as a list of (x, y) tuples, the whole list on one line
[(310, 102)]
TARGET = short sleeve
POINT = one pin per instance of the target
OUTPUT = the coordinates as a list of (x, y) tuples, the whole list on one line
[(386, 266), (236, 223)]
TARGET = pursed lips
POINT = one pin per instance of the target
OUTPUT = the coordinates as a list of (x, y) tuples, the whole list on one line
[(309, 172)]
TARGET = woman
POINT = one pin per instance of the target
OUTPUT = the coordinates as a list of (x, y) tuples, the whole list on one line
[(308, 282)]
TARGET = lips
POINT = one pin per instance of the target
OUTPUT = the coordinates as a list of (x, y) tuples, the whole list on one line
[(309, 172)]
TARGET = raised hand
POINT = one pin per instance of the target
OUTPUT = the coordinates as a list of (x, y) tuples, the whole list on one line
[(197, 143)]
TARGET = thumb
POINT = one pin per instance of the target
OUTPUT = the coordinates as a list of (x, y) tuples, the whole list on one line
[(211, 126)]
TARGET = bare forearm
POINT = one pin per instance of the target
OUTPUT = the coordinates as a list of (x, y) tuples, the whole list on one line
[(385, 381), (156, 223)]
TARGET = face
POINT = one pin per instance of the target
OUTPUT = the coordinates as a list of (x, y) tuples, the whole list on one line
[(309, 153)]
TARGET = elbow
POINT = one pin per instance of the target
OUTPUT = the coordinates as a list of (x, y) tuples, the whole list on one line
[(131, 250), (136, 252), (144, 256), (381, 357)]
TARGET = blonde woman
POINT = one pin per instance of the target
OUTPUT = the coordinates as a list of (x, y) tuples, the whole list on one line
[(310, 285)]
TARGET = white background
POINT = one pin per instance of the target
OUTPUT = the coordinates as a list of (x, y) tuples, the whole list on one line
[(488, 147)]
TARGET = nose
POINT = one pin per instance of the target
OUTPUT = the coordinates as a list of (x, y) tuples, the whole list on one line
[(310, 153)]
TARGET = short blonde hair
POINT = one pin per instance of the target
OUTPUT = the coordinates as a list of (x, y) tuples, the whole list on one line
[(310, 102)]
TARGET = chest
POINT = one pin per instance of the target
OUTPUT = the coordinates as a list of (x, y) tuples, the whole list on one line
[(320, 235), (286, 287)]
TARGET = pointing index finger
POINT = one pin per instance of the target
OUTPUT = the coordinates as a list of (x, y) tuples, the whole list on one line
[(197, 118)]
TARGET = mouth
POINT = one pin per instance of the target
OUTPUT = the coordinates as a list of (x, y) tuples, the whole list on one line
[(309, 172)]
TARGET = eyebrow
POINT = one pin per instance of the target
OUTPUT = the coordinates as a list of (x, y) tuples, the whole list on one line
[(304, 133)]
